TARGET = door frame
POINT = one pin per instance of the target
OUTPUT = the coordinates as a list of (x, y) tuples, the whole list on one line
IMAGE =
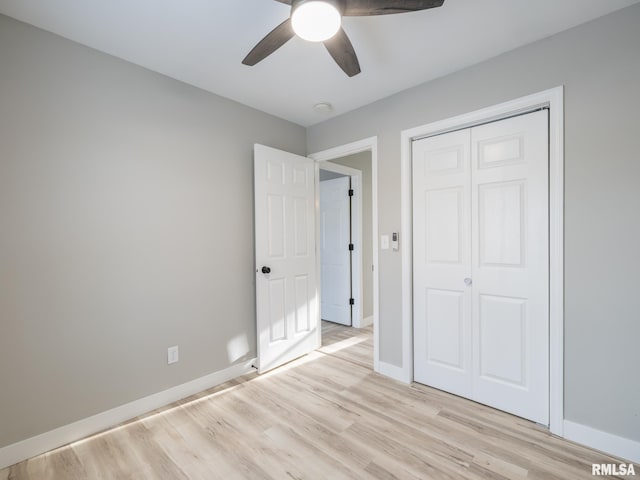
[(357, 287), (554, 99), (368, 144)]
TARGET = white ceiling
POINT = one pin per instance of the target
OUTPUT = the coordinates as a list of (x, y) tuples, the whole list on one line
[(202, 42)]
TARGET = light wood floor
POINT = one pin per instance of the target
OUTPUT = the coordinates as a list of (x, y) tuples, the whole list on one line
[(351, 344), (325, 416)]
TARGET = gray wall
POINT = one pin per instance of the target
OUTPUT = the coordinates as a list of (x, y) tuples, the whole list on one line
[(599, 64), (327, 175), (126, 226), (362, 161)]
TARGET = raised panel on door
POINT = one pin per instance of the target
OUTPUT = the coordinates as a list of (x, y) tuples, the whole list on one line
[(445, 328), (304, 299), (443, 225), (301, 208), (441, 246), (286, 292), (277, 313), (502, 223), (510, 239), (502, 345), (275, 226)]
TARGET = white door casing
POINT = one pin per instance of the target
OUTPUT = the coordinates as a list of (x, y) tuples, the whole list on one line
[(335, 257), (286, 296), (481, 275), (368, 144)]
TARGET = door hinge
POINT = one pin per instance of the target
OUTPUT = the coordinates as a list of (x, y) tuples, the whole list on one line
[(352, 301), (351, 247), (351, 192)]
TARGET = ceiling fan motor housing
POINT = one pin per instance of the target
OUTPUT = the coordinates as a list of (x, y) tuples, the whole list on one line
[(338, 4)]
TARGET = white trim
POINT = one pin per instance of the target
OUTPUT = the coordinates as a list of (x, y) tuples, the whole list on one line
[(366, 321), (72, 432), (316, 186), (556, 260), (364, 145), (367, 144), (356, 237), (552, 98), (357, 259), (393, 371), (624, 448), (406, 247), (337, 168)]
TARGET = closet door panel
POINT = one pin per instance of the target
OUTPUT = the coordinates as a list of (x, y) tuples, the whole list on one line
[(442, 247), (510, 266)]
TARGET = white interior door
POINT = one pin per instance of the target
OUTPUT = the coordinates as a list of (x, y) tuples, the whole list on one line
[(286, 290), (481, 264), (335, 257), (442, 260), (510, 271)]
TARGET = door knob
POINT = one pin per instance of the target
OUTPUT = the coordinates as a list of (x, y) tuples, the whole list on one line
[(468, 282), (266, 270)]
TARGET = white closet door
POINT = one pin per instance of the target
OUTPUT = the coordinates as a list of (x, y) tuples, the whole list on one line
[(335, 257), (441, 262), (481, 264), (511, 265)]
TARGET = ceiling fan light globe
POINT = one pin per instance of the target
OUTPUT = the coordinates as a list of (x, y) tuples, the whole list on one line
[(316, 20)]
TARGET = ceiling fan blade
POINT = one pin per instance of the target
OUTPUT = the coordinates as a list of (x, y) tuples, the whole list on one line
[(269, 44), (356, 8), (340, 48)]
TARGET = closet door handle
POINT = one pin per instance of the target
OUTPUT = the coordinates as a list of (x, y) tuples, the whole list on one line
[(468, 282)]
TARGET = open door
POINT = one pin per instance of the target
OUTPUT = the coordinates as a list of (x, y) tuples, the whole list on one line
[(286, 285), (335, 253)]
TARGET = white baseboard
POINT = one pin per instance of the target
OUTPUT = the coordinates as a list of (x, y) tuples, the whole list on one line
[(605, 442), (47, 441), (366, 321), (395, 372)]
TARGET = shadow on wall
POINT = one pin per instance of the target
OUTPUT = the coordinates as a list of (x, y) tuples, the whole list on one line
[(238, 348)]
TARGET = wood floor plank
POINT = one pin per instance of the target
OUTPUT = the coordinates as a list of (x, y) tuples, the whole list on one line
[(193, 461), (61, 463), (326, 415), (501, 467), (211, 428), (106, 457)]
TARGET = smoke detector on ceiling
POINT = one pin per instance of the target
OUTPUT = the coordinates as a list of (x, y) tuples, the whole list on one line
[(323, 107)]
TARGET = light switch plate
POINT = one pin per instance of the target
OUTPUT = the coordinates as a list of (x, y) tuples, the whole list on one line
[(172, 355), (384, 242)]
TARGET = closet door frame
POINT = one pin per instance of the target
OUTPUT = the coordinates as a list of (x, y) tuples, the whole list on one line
[(554, 100)]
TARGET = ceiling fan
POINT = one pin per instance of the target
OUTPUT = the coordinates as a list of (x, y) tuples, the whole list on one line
[(321, 21)]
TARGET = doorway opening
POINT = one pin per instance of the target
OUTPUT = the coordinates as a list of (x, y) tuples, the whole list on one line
[(345, 252)]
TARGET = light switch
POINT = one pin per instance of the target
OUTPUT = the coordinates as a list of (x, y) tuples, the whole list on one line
[(172, 355), (384, 242)]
